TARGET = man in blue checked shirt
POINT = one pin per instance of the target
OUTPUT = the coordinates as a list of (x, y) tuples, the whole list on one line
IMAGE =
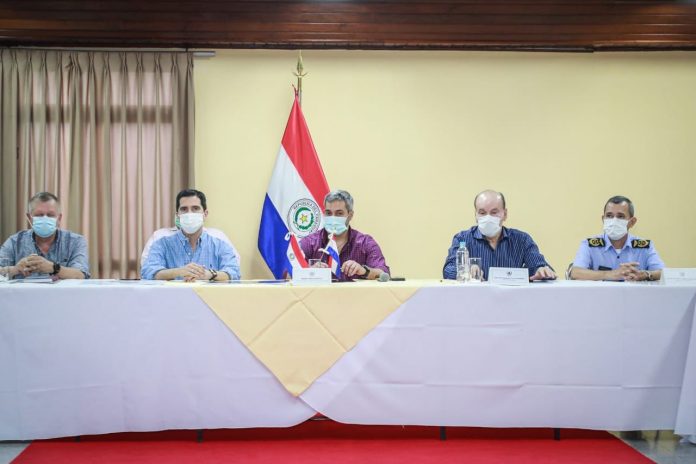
[(497, 246), (191, 254), (45, 249), (616, 254)]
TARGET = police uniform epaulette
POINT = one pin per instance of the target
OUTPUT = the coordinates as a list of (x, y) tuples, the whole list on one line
[(595, 242), (640, 243)]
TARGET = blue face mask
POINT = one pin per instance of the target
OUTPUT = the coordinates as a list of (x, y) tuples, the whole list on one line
[(335, 224), (44, 226)]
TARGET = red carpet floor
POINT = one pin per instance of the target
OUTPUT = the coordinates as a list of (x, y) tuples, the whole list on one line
[(329, 442)]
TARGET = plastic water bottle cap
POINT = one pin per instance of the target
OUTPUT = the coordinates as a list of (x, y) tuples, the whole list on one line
[(462, 244)]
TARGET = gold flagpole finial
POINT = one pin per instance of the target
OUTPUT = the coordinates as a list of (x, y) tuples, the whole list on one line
[(299, 74)]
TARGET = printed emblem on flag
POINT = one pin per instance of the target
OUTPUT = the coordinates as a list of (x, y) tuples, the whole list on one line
[(304, 217), (291, 209)]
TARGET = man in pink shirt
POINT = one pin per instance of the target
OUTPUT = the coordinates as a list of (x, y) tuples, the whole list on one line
[(360, 255)]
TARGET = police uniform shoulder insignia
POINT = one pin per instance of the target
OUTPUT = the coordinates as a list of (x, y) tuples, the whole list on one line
[(640, 243), (595, 242)]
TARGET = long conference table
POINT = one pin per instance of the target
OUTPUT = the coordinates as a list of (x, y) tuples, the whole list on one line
[(96, 357)]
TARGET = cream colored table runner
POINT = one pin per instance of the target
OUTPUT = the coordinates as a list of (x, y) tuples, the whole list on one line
[(299, 332)]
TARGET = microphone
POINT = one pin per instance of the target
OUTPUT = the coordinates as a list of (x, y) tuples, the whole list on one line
[(384, 277)]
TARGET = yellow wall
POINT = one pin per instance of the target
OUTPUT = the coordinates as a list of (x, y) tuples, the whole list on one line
[(415, 135)]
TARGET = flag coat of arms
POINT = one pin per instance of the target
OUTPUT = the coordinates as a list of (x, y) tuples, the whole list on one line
[(293, 205)]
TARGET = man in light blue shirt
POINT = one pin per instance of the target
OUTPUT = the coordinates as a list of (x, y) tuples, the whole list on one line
[(191, 254), (616, 254), (45, 249)]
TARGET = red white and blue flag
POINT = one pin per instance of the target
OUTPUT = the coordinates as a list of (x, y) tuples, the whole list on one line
[(334, 261), (295, 254), (294, 200)]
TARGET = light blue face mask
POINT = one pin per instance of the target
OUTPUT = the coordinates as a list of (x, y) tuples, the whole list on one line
[(335, 224), (44, 226)]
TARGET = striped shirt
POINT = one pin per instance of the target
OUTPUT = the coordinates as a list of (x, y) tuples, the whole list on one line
[(175, 251), (514, 249), (68, 249), (361, 248)]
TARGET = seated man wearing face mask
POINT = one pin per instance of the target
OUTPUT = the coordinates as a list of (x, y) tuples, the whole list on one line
[(45, 250), (616, 254), (497, 246), (360, 255), (191, 254)]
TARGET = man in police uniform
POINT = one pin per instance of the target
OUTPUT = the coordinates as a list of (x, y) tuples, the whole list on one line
[(616, 254)]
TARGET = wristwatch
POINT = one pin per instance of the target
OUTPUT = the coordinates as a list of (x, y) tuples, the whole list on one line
[(213, 274), (367, 271), (56, 269), (649, 274)]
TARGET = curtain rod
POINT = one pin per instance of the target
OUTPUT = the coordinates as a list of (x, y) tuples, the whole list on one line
[(196, 53)]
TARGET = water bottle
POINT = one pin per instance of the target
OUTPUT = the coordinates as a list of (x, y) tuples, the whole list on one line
[(462, 263)]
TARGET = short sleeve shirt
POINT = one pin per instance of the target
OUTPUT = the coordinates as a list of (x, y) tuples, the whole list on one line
[(598, 254), (68, 249)]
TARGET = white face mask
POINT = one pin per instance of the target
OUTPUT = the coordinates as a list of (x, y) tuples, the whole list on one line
[(615, 228), (489, 225), (191, 222), (335, 224)]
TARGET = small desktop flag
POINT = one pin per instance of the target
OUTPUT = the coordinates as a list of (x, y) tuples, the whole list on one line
[(334, 260), (293, 205)]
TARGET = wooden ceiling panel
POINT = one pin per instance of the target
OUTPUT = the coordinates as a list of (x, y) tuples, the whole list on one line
[(464, 24)]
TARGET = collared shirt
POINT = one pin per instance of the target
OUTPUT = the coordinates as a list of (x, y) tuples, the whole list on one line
[(606, 257), (167, 231), (514, 249), (68, 249), (175, 251), (361, 248)]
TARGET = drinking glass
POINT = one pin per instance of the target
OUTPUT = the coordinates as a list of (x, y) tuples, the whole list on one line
[(475, 271)]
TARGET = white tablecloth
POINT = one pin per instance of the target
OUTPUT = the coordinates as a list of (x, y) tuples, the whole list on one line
[(600, 356), (77, 360), (81, 359)]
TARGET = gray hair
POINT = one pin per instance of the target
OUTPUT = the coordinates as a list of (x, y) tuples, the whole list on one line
[(340, 195), (41, 197), (617, 200)]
